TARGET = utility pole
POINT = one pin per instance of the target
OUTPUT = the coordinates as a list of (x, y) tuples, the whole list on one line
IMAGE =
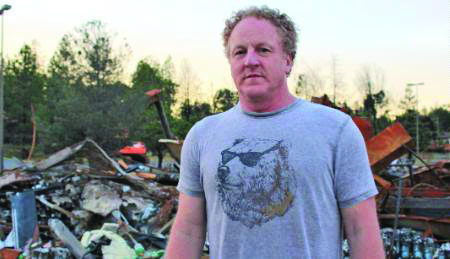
[(2, 10), (417, 114)]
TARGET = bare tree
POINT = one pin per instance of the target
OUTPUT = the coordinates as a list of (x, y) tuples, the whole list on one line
[(336, 78), (188, 81), (370, 83), (188, 88), (370, 80), (308, 84), (168, 69)]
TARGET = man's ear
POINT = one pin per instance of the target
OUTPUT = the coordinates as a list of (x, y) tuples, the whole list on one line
[(289, 64)]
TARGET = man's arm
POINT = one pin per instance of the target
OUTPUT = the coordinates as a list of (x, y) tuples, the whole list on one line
[(363, 231), (187, 235)]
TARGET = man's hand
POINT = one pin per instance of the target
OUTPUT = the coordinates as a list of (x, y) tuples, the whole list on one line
[(363, 231), (187, 235)]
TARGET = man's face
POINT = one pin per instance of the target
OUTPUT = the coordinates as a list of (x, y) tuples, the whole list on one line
[(258, 62)]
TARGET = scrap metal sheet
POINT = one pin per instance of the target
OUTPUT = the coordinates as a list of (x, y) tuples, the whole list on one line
[(388, 146)]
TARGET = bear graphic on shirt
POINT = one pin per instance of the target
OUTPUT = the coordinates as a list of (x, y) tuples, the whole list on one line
[(255, 181)]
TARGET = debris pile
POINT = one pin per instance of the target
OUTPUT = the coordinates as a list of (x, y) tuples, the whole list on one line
[(410, 197), (81, 203), (408, 243), (414, 197)]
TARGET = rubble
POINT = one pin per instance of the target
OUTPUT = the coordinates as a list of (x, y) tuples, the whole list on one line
[(116, 247), (100, 198), (13, 163), (414, 198), (50, 253), (78, 190), (15, 177), (409, 243), (24, 218), (409, 197), (69, 240)]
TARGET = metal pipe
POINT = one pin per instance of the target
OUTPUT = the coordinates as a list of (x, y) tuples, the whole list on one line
[(397, 212)]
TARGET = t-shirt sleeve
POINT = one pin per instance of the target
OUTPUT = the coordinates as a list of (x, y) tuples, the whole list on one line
[(190, 179), (353, 177)]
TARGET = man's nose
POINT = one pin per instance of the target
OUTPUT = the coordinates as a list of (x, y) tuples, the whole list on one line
[(251, 59)]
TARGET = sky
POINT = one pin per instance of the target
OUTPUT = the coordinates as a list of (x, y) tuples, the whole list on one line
[(407, 41)]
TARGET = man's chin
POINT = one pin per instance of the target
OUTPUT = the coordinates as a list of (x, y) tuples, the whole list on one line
[(255, 93)]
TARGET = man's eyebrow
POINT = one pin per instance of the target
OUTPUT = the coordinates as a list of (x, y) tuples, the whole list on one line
[(263, 44), (240, 46)]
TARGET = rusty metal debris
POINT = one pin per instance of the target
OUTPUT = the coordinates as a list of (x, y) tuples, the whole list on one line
[(388, 146), (416, 198), (419, 199)]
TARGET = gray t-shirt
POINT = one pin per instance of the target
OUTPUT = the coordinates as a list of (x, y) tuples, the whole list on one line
[(274, 182)]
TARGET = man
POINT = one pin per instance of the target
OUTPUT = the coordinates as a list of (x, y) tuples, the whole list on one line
[(275, 176)]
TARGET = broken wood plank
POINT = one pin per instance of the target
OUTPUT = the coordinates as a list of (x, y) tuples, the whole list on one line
[(55, 207), (69, 240), (33, 142), (166, 227), (59, 156), (422, 203), (112, 161)]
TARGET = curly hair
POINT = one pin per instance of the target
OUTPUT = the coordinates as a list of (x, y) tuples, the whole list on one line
[(285, 26)]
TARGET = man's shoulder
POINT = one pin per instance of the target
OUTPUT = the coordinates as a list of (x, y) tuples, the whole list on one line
[(214, 120), (324, 113)]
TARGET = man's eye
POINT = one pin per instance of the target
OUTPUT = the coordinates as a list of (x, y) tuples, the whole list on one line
[(264, 50), (239, 52)]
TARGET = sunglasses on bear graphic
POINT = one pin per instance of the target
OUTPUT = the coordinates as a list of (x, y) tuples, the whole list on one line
[(249, 159)]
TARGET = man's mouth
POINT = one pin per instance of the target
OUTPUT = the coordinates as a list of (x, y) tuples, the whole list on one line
[(252, 76)]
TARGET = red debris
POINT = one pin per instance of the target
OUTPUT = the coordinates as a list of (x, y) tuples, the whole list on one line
[(388, 146)]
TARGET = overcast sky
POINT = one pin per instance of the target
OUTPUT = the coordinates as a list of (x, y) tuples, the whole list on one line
[(406, 39)]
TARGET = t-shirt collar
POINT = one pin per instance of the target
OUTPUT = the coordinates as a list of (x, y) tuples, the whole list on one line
[(268, 114)]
